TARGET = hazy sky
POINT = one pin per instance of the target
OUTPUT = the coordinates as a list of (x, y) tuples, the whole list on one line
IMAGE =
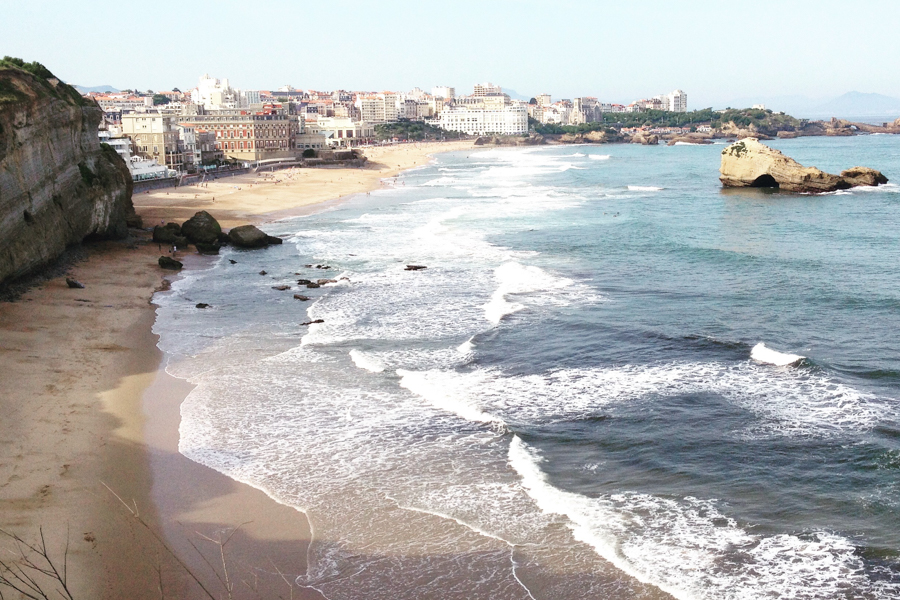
[(618, 51)]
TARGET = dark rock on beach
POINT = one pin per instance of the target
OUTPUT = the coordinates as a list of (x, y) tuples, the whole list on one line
[(313, 285), (167, 234), (72, 283), (210, 248), (273, 241), (281, 288), (301, 297), (304, 281), (415, 267), (313, 322), (202, 305), (324, 281), (201, 228), (263, 272), (170, 263)]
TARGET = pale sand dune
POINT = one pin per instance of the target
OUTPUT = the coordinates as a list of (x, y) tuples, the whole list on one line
[(83, 403)]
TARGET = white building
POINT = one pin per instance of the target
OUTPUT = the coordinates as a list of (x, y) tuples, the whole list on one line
[(677, 101), (442, 91), (479, 120), (141, 169), (487, 89), (213, 93)]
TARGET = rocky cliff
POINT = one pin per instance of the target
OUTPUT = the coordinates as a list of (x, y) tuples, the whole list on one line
[(749, 163), (57, 184)]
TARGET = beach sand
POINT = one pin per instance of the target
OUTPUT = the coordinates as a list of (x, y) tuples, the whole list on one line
[(88, 411)]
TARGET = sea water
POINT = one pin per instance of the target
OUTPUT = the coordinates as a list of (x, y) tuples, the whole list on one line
[(570, 401)]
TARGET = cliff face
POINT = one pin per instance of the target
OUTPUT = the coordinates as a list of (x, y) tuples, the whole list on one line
[(57, 184)]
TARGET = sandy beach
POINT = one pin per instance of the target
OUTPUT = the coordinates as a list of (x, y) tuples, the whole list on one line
[(89, 415)]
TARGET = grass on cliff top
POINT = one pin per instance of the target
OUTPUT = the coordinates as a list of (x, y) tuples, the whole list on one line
[(10, 94)]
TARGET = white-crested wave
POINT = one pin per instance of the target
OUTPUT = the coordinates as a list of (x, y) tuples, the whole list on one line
[(515, 278), (365, 361), (764, 354), (599, 156), (690, 549), (644, 188)]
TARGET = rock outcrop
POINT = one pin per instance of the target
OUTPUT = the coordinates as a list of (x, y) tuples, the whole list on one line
[(201, 228), (58, 184), (749, 163)]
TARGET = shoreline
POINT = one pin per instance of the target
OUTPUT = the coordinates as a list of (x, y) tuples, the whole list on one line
[(90, 405)]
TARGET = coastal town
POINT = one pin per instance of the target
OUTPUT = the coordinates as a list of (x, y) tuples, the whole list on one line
[(166, 134)]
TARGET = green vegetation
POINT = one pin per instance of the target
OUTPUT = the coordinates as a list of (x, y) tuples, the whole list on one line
[(35, 68), (160, 99), (9, 92), (737, 150), (409, 130), (765, 121), (87, 176), (552, 128), (309, 153)]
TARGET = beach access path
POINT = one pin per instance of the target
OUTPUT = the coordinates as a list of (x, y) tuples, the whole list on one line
[(88, 414)]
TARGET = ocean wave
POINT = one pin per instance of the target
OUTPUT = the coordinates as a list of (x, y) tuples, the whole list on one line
[(367, 362), (599, 156), (690, 549), (644, 188), (762, 353), (515, 278)]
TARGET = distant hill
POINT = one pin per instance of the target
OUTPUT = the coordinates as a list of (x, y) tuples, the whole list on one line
[(513, 94), (853, 104), (97, 88)]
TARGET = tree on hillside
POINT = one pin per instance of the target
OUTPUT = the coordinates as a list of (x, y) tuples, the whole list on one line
[(160, 99)]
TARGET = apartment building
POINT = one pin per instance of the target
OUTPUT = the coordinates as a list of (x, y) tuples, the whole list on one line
[(475, 119), (442, 91), (244, 134), (340, 131), (487, 89), (155, 136)]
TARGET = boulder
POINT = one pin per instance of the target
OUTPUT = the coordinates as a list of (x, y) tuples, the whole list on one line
[(202, 228), (415, 267), (273, 241), (864, 176), (324, 281), (74, 283), (210, 248), (202, 305), (749, 163), (646, 139), (167, 234), (301, 297), (281, 288), (170, 263), (248, 236)]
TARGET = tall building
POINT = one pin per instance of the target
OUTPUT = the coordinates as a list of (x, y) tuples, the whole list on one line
[(678, 101), (487, 89), (442, 91), (154, 136), (251, 135), (543, 99)]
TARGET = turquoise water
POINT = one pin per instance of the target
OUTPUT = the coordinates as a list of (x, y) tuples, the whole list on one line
[(564, 403)]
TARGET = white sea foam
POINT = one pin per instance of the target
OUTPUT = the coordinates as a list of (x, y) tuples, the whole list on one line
[(466, 347), (762, 353), (690, 549), (515, 278), (365, 361), (599, 156), (430, 386), (644, 188), (687, 144)]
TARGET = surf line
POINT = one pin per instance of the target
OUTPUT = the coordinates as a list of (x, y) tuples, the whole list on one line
[(481, 532)]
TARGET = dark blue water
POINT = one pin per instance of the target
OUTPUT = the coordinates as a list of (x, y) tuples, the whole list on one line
[(568, 388)]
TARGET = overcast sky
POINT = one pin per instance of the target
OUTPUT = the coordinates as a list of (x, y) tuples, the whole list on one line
[(618, 51)]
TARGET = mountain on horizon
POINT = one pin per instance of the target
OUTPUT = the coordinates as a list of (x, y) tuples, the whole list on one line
[(853, 104), (848, 106), (514, 95), (96, 88)]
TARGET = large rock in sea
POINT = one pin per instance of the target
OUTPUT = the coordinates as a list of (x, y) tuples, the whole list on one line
[(201, 228), (248, 236), (58, 184), (749, 163)]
